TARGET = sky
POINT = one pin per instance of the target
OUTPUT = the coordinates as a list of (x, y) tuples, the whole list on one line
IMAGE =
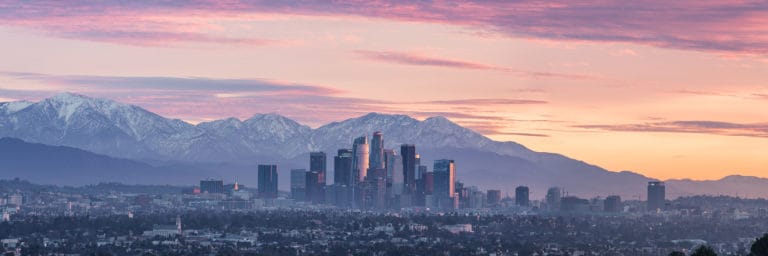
[(668, 89)]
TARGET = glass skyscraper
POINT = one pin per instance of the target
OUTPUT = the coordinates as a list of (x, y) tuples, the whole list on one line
[(522, 196), (267, 181), (360, 162), (408, 152), (656, 195), (376, 157), (342, 167), (444, 172), (317, 163), (298, 184)]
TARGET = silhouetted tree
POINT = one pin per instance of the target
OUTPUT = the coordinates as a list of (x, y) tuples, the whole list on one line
[(704, 251), (676, 253), (760, 246)]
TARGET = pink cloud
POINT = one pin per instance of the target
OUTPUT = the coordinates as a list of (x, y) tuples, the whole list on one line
[(425, 60), (421, 60), (709, 25)]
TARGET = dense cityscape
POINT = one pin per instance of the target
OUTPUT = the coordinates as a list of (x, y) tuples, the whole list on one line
[(381, 202)]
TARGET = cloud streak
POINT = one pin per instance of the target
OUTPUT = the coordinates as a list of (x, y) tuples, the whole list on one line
[(424, 60), (485, 102), (230, 87), (732, 26), (701, 127)]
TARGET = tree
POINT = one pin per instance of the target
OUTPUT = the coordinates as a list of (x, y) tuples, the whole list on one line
[(760, 246), (704, 251), (676, 253)]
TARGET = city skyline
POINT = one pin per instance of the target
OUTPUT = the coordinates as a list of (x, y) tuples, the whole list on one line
[(599, 82)]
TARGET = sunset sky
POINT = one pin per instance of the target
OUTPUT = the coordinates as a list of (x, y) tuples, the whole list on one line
[(669, 89)]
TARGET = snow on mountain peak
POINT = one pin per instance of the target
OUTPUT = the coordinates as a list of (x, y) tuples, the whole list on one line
[(74, 118), (67, 104), (13, 107)]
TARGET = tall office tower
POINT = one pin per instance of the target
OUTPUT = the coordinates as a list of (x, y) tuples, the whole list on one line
[(554, 195), (342, 176), (342, 167), (396, 168), (463, 195), (416, 164), (267, 181), (612, 204), (375, 189), (656, 196), (360, 162), (388, 154), (494, 198), (421, 172), (376, 157), (522, 196), (429, 183), (444, 172), (315, 187), (360, 166), (212, 186), (408, 152), (298, 184), (317, 163)]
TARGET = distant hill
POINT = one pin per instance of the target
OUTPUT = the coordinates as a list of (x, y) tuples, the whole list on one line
[(734, 185), (70, 166)]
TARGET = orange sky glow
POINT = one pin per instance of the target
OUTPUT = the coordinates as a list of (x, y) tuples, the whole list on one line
[(681, 94)]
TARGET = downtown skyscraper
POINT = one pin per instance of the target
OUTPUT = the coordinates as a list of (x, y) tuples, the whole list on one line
[(360, 162), (342, 167), (360, 165), (315, 177), (317, 163), (376, 157), (522, 196), (444, 181), (298, 184), (342, 178), (408, 152), (267, 181), (656, 196)]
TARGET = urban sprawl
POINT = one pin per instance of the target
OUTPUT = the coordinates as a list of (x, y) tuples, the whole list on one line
[(381, 202)]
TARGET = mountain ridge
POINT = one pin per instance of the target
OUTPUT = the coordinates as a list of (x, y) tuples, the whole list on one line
[(126, 131)]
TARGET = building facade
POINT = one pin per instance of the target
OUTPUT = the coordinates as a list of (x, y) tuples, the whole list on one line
[(267, 181)]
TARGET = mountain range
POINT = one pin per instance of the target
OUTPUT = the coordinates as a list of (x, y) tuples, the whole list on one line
[(137, 139)]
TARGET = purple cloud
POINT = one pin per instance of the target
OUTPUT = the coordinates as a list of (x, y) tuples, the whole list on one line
[(731, 26)]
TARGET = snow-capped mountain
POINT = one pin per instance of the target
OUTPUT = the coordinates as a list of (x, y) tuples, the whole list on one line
[(232, 139), (117, 129), (126, 131), (98, 125)]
